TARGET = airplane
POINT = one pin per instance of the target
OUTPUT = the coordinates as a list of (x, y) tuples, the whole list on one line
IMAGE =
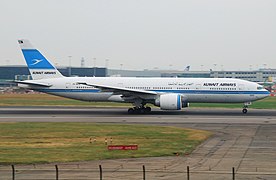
[(166, 93), (187, 68)]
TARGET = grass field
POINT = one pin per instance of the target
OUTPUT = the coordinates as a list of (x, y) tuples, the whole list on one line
[(65, 142), (49, 100)]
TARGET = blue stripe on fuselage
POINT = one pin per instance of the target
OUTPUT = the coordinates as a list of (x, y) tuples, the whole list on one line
[(212, 92), (69, 90)]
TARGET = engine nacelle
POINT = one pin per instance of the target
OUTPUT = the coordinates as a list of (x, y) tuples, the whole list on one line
[(171, 102)]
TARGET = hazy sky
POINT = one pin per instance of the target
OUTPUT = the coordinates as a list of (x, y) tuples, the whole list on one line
[(143, 34)]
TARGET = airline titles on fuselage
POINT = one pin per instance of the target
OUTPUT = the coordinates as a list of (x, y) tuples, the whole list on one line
[(204, 84), (179, 84), (220, 84), (43, 72)]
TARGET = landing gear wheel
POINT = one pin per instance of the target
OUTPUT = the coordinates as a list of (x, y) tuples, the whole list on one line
[(139, 110), (130, 111), (147, 109), (244, 111), (142, 110)]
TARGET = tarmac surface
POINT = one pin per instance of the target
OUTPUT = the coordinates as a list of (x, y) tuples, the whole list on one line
[(244, 141)]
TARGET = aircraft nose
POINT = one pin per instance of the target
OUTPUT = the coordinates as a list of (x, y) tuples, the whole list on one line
[(267, 93), (263, 94)]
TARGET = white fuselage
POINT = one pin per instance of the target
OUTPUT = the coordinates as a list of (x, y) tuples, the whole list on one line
[(222, 90)]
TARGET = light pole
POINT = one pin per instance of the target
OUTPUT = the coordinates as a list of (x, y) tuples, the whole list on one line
[(215, 67), (94, 73), (121, 68), (106, 63), (69, 69)]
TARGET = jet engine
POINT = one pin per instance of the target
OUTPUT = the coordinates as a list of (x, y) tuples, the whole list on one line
[(171, 101)]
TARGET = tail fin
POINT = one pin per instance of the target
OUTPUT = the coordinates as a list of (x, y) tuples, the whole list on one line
[(187, 68), (39, 66)]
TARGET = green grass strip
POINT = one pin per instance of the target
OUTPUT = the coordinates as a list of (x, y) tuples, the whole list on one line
[(29, 143)]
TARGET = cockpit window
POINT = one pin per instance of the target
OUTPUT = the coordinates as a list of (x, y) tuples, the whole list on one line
[(260, 87)]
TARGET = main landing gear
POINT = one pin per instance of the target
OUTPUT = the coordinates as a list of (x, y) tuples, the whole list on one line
[(139, 110), (245, 106)]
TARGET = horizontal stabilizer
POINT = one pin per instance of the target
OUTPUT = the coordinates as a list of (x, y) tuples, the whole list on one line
[(33, 83)]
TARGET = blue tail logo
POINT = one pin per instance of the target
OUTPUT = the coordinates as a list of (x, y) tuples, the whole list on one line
[(35, 60)]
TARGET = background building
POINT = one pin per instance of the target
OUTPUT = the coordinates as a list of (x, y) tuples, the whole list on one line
[(10, 73), (133, 73), (262, 75), (22, 72), (188, 74)]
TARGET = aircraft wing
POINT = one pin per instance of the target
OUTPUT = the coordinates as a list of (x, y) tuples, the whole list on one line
[(33, 83), (120, 90)]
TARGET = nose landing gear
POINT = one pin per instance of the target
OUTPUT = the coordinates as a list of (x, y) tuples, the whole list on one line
[(245, 106), (244, 110)]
